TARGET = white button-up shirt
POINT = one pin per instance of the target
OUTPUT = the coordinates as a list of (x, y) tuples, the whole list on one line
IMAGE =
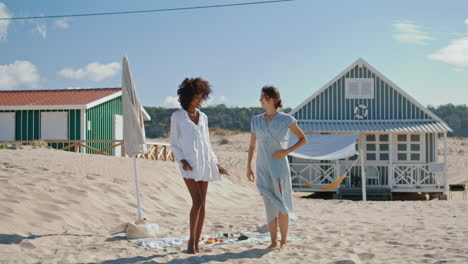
[(191, 142)]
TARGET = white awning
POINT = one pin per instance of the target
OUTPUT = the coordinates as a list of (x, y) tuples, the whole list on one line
[(326, 147)]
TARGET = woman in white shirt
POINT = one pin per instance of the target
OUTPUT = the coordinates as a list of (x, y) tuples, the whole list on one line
[(190, 143)]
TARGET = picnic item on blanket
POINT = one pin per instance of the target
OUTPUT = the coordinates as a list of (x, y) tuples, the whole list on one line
[(236, 237)]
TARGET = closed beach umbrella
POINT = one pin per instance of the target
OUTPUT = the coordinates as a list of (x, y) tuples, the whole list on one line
[(133, 127)]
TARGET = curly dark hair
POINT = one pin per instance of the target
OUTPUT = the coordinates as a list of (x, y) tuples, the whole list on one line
[(192, 87), (273, 92)]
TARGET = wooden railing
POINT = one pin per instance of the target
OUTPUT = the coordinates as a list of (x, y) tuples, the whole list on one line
[(80, 146), (156, 150), (418, 175), (315, 173), (422, 175)]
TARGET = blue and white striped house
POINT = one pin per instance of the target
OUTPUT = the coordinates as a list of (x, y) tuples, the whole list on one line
[(398, 135)]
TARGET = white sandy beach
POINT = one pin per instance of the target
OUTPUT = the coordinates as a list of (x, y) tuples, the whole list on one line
[(60, 207)]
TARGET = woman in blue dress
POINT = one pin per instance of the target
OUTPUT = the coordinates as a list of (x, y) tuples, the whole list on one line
[(271, 130)]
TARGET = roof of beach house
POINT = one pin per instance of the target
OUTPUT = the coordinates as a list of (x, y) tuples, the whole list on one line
[(56, 99), (361, 98)]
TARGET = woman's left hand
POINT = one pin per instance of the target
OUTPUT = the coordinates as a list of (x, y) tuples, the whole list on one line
[(280, 154), (222, 170)]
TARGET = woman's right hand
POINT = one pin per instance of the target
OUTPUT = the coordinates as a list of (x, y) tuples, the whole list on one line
[(250, 175), (185, 165)]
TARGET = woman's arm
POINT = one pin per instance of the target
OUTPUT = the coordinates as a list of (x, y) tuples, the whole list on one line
[(213, 155), (301, 142), (175, 144), (252, 147)]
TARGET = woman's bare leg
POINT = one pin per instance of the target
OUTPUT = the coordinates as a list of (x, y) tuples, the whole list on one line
[(203, 187), (283, 220), (273, 228), (194, 212)]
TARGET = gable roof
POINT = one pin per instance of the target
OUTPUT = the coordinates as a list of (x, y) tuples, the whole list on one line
[(362, 63), (56, 99)]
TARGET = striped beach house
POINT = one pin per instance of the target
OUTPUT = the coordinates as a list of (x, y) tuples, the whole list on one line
[(398, 136), (63, 117)]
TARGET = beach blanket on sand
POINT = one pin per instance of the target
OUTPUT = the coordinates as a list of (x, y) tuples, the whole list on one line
[(160, 243)]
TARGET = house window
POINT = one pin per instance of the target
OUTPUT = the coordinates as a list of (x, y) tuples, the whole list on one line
[(377, 147), (359, 88), (409, 147)]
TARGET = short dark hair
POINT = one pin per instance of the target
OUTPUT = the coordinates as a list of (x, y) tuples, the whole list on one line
[(273, 92), (191, 87)]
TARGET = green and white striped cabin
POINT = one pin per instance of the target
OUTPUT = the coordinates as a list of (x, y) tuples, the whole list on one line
[(69, 114)]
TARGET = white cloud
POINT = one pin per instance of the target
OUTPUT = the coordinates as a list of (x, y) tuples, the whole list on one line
[(406, 27), (222, 99), (458, 70), (172, 101), (456, 53), (408, 32), (4, 23), (94, 71), (42, 30), (18, 74), (62, 23), (466, 21)]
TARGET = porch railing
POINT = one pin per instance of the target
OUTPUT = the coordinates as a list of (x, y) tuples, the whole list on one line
[(418, 175), (425, 175)]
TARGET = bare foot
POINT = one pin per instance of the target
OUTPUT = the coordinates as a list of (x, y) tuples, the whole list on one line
[(273, 246), (199, 249), (191, 249), (283, 246)]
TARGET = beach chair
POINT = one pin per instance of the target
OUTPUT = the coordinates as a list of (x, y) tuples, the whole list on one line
[(373, 174)]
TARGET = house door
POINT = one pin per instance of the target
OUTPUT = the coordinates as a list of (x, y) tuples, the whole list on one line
[(7, 126)]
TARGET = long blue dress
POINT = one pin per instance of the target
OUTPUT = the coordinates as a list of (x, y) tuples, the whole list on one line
[(272, 173)]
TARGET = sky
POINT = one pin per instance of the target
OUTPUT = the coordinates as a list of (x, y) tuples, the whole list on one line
[(298, 46)]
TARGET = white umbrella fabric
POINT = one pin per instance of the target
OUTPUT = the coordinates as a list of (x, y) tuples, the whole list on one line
[(133, 127)]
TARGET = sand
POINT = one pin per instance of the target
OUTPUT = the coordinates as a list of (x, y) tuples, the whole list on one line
[(61, 207)]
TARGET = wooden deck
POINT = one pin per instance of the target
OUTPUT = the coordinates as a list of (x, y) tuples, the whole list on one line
[(374, 193)]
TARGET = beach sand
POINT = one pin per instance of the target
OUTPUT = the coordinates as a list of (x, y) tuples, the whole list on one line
[(61, 207)]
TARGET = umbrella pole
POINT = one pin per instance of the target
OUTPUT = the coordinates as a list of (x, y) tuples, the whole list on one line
[(140, 217)]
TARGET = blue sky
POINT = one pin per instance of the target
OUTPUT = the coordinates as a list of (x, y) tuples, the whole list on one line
[(421, 45)]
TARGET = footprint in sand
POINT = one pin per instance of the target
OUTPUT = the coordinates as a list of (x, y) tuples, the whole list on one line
[(6, 210), (47, 215), (346, 261), (27, 245), (75, 191), (10, 200), (366, 256)]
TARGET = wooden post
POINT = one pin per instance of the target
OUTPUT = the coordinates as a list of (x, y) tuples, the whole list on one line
[(164, 153), (446, 186), (122, 149), (363, 174), (390, 157)]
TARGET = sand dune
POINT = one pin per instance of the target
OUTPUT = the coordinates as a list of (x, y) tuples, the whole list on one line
[(61, 207)]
